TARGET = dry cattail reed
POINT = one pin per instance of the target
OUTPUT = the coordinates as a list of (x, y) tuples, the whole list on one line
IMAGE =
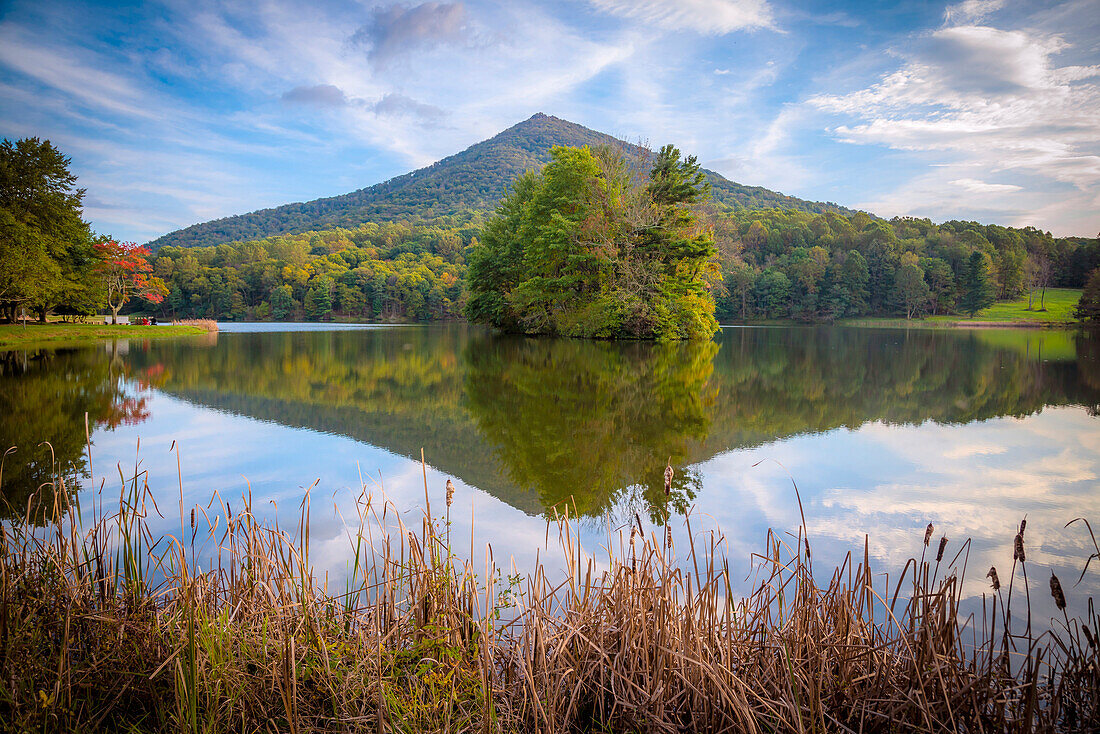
[(1056, 592), (192, 518), (1018, 548), (669, 647), (450, 492), (939, 552), (668, 478), (1023, 525), (992, 576), (928, 533)]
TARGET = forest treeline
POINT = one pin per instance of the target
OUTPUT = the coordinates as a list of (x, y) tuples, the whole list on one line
[(391, 271), (775, 263), (792, 264)]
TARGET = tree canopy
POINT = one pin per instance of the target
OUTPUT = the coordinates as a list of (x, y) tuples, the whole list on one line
[(45, 245), (591, 246), (1088, 308)]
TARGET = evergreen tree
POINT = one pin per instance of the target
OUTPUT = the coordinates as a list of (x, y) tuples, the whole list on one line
[(1088, 308), (318, 303), (979, 291), (282, 302)]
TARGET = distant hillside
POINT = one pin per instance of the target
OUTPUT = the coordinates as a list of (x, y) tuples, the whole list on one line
[(473, 180)]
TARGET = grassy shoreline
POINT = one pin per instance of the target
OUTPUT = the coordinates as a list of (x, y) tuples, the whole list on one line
[(107, 628), (1060, 304), (17, 336)]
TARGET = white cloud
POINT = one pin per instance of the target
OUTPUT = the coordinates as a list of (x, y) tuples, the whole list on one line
[(70, 72), (985, 103), (981, 187), (710, 17), (971, 10)]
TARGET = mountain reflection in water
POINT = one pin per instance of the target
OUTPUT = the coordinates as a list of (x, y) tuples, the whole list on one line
[(541, 422)]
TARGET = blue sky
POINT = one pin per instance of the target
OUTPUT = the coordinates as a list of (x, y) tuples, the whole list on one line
[(180, 112)]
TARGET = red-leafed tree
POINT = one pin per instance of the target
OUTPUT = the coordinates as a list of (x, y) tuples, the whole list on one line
[(125, 268)]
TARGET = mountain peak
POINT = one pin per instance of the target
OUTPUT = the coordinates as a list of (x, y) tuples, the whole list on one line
[(472, 180)]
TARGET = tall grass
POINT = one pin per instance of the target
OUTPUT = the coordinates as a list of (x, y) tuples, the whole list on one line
[(205, 324), (108, 627)]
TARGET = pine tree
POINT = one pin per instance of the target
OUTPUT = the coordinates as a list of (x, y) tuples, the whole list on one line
[(979, 291), (1088, 308)]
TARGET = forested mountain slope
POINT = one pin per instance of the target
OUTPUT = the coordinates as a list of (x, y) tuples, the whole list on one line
[(471, 181)]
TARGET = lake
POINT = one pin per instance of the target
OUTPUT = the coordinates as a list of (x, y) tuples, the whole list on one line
[(883, 430)]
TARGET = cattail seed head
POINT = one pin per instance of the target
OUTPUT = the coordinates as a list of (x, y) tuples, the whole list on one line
[(668, 536), (928, 533), (450, 492), (992, 575), (1088, 635), (633, 532), (228, 512), (1018, 548), (1023, 524), (939, 552), (192, 518), (668, 479), (1056, 591)]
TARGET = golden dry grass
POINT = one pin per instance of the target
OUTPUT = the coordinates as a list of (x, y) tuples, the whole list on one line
[(107, 628)]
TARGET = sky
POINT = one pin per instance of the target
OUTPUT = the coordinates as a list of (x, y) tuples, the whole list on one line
[(182, 111)]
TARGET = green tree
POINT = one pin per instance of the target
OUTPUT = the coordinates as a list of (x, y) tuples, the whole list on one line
[(282, 302), (854, 277), (1088, 308), (978, 289), (585, 248), (46, 246), (1010, 272), (773, 293), (318, 303), (941, 283), (911, 292), (740, 282)]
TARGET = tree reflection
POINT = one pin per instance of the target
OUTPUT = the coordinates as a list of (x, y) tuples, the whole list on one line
[(540, 423), (580, 421), (44, 396)]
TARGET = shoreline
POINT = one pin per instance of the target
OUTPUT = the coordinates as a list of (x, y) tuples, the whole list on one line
[(18, 336)]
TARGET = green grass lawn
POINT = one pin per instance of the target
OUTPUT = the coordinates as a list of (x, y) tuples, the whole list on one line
[(1059, 303), (16, 336)]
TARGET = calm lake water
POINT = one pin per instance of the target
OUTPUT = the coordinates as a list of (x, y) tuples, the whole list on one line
[(883, 431)]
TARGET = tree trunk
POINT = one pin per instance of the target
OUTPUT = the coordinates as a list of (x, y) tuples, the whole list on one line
[(42, 314)]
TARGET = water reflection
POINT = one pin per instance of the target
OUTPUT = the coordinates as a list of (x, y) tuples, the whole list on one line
[(539, 422), (583, 423), (50, 402)]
